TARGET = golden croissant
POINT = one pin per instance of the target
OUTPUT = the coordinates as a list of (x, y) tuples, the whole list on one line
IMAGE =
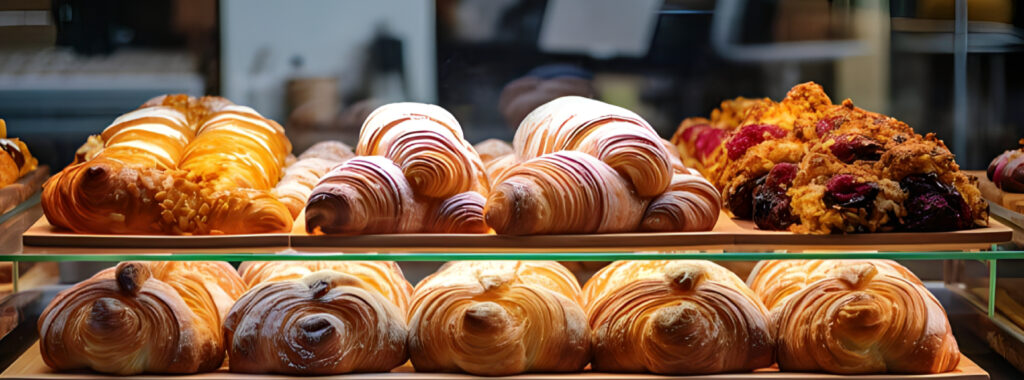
[(156, 317), (563, 192), (493, 149), (385, 277), (691, 203), (675, 317), (860, 319), (324, 323), (177, 165), (414, 173), (498, 318), (775, 280), (615, 135)]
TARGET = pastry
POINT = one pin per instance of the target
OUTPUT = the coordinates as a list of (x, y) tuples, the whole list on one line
[(498, 318), (385, 277), (1007, 170), (413, 170), (563, 192), (675, 317), (615, 135), (810, 166), (775, 280), (324, 323), (17, 162), (860, 316), (492, 149), (141, 317), (302, 175), (583, 166), (178, 165)]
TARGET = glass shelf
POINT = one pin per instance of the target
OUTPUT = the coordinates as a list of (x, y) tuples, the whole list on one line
[(558, 256)]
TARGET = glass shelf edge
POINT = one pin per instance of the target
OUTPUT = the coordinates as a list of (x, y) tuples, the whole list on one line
[(558, 256)]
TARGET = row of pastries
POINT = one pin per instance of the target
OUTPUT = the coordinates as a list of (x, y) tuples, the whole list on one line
[(183, 165), (498, 318)]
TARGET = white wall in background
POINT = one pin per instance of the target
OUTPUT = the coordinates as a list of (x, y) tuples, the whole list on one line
[(260, 37)]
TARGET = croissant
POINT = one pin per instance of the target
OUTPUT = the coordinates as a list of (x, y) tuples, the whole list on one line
[(157, 317), (414, 173), (497, 168), (615, 135), (860, 319), (775, 280), (675, 317), (493, 149), (691, 203), (498, 318), (324, 323), (385, 277), (329, 150), (17, 161), (563, 192), (426, 142), (178, 165)]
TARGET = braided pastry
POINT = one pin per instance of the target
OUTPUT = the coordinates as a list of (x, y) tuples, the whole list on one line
[(324, 323), (178, 165), (498, 318), (156, 317), (675, 317)]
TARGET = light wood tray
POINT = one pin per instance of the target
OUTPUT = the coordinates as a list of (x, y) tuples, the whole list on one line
[(31, 366), (727, 234), (42, 233)]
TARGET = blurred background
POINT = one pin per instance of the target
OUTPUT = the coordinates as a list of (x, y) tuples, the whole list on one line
[(69, 67)]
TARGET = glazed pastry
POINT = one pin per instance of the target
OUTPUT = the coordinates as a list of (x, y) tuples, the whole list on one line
[(17, 162), (141, 317), (563, 192), (1007, 170), (301, 176), (810, 166), (675, 317), (775, 280), (860, 319), (178, 165), (498, 318), (324, 323), (413, 174), (690, 203), (385, 277), (617, 136)]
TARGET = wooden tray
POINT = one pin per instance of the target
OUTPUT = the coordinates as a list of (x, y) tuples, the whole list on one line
[(30, 366), (14, 194), (42, 233)]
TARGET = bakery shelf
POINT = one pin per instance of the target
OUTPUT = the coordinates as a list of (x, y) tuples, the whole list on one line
[(558, 256)]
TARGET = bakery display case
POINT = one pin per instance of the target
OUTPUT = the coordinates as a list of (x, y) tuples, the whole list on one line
[(572, 189)]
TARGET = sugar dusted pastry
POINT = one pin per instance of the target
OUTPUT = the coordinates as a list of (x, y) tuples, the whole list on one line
[(498, 318), (675, 317)]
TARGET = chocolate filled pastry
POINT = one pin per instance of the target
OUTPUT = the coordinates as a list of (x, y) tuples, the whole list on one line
[(141, 317), (498, 318), (323, 323), (675, 317)]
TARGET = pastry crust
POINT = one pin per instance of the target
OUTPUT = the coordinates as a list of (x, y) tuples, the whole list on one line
[(141, 317), (498, 318), (675, 317)]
